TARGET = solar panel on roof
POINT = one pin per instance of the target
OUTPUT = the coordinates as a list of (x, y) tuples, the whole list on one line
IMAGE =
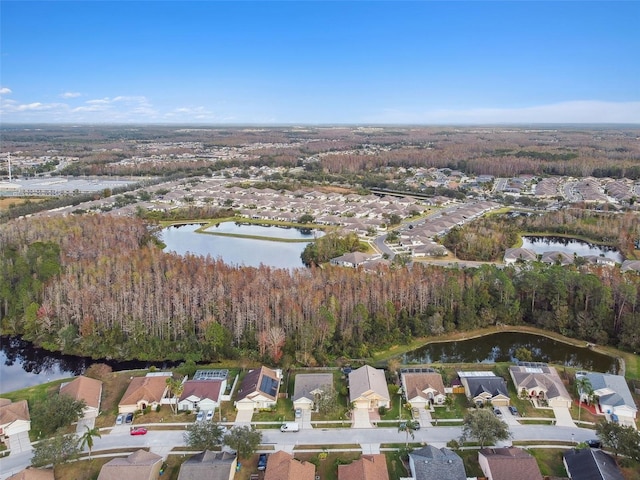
[(269, 386)]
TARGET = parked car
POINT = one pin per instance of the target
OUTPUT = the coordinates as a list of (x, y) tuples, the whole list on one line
[(262, 461), (209, 415), (514, 411), (128, 418), (414, 425), (497, 411), (298, 412), (200, 416), (290, 427), (120, 419), (594, 443), (138, 431)]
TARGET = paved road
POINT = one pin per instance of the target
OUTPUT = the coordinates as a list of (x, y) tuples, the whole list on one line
[(162, 441)]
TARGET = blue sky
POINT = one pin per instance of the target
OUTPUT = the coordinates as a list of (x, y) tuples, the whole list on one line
[(327, 62)]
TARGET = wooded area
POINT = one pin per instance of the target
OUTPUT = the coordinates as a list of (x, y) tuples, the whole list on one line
[(99, 286)]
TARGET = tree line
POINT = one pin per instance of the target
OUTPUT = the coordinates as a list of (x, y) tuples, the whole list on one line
[(100, 286)]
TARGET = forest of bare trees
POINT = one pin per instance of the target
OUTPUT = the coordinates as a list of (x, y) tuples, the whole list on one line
[(100, 286)]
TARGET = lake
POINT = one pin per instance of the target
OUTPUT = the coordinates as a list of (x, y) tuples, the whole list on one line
[(542, 244), (249, 252), (501, 347), (23, 365)]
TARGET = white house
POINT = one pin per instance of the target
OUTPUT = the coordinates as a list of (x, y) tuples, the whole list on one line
[(368, 388), (14, 418), (259, 389), (614, 396), (423, 389)]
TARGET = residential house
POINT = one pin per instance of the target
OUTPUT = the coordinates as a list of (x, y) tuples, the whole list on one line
[(352, 259), (614, 396), (259, 389), (31, 473), (368, 467), (423, 389), (513, 255), (200, 395), (282, 466), (368, 388), (14, 418), (590, 464), (144, 392), (140, 465), (557, 258), (209, 465), (542, 382), (430, 462), (308, 387), (485, 387), (88, 390), (508, 463)]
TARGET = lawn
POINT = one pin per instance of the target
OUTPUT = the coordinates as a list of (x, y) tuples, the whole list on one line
[(458, 409), (327, 468), (550, 461)]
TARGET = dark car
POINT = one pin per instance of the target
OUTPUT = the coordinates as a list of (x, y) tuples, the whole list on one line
[(514, 411), (262, 461), (497, 411), (128, 418), (594, 443)]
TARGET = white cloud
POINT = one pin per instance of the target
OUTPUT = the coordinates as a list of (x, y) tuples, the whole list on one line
[(586, 111), (70, 95), (5, 91)]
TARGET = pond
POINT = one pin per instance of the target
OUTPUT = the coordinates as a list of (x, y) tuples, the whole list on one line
[(249, 252), (22, 365), (542, 244), (501, 347)]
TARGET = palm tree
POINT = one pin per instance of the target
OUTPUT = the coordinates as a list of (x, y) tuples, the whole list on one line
[(407, 428), (176, 387), (87, 438), (583, 387)]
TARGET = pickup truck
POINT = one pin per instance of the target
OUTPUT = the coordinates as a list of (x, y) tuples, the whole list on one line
[(290, 427)]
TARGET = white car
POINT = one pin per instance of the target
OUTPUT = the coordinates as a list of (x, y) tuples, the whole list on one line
[(200, 416), (209, 415), (120, 419)]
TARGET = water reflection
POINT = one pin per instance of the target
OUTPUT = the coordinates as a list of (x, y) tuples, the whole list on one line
[(502, 347), (571, 246), (23, 365)]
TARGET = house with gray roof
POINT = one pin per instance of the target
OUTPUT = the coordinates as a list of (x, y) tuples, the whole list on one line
[(513, 255), (485, 387), (430, 462), (352, 259), (308, 387), (590, 464), (614, 396), (368, 388), (209, 465), (540, 381)]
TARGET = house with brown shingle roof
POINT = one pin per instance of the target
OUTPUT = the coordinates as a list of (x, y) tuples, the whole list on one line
[(368, 388), (31, 473), (509, 463), (422, 389), (144, 392), (200, 395), (88, 390), (282, 466), (140, 465), (542, 382), (368, 467), (14, 418), (259, 389)]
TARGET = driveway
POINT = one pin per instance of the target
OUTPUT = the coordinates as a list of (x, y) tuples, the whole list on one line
[(305, 421), (563, 417), (19, 443), (361, 418), (508, 417), (83, 423), (425, 417), (244, 417)]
